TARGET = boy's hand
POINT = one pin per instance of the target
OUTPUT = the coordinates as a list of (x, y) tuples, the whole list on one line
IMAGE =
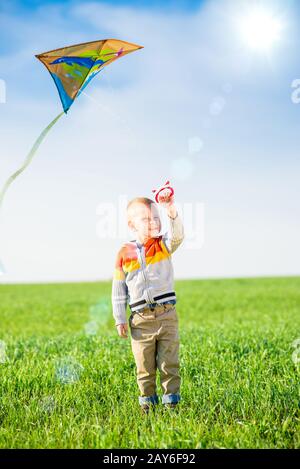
[(122, 330), (167, 202), (165, 199)]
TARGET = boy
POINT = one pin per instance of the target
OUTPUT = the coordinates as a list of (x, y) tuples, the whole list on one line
[(143, 278)]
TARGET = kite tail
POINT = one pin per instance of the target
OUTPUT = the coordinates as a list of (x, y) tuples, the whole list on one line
[(28, 158)]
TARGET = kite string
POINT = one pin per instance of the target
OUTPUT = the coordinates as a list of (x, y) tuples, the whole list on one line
[(28, 158), (112, 113)]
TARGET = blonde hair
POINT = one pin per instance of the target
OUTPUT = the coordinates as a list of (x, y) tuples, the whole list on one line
[(140, 200)]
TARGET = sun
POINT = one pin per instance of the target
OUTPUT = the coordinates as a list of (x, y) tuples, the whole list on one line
[(260, 29)]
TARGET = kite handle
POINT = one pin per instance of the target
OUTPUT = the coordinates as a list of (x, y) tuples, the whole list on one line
[(166, 186)]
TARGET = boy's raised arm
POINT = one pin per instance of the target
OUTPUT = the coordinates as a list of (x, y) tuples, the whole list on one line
[(119, 294), (175, 234)]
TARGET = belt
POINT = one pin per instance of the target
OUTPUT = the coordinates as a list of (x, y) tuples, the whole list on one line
[(159, 297)]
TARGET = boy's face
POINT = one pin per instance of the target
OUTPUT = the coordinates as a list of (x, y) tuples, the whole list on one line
[(144, 220)]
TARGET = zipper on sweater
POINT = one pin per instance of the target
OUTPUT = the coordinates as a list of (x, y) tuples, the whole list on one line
[(143, 266)]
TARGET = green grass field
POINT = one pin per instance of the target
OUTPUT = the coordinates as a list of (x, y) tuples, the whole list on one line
[(68, 381)]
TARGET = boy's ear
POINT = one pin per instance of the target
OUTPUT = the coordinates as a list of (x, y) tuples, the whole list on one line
[(131, 226)]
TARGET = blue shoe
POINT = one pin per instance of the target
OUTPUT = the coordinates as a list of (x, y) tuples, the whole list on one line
[(146, 407), (171, 406)]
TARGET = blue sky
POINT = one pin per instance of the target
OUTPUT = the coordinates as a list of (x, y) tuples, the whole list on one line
[(196, 106), (167, 4)]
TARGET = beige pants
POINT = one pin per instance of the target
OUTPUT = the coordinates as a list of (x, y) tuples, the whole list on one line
[(155, 344)]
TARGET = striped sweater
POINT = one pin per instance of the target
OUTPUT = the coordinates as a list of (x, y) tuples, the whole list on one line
[(144, 272)]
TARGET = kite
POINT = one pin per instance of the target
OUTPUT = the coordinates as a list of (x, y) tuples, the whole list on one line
[(72, 68)]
